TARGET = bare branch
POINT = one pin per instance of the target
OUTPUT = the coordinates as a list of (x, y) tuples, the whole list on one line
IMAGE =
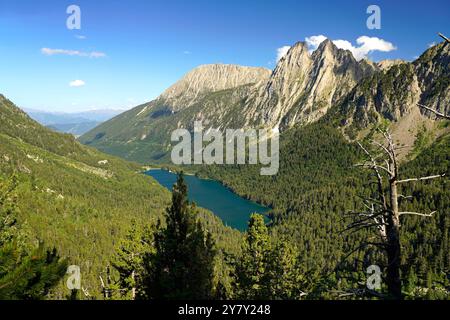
[(378, 175), (353, 228), (417, 214), (421, 179), (373, 166), (365, 150), (444, 37), (439, 114), (383, 148), (392, 154)]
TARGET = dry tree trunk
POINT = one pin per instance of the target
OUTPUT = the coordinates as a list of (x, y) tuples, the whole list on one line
[(393, 247), (383, 211)]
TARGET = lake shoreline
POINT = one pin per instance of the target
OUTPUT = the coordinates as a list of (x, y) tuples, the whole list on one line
[(194, 173), (233, 209)]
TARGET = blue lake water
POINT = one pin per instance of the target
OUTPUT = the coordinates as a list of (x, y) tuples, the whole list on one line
[(234, 210)]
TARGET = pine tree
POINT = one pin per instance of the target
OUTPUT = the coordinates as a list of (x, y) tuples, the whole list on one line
[(283, 279), (25, 272), (251, 268), (183, 264), (265, 271), (129, 260)]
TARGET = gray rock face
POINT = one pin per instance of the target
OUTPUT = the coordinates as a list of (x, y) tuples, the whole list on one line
[(385, 65), (210, 78), (433, 74), (304, 86), (301, 89), (395, 92)]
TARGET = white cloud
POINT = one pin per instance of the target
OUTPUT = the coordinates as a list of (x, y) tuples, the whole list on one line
[(96, 54), (370, 44), (81, 37), (313, 42), (52, 52), (344, 44), (187, 52), (77, 83), (281, 52), (365, 46)]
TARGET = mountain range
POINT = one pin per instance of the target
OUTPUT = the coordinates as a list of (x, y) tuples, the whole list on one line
[(83, 201), (322, 103), (303, 88), (76, 123)]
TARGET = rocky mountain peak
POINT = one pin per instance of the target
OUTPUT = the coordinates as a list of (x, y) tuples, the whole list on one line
[(327, 46), (210, 78), (297, 52), (304, 86), (327, 50), (395, 92), (296, 61), (387, 64)]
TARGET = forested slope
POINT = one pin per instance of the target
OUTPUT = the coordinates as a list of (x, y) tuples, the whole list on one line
[(318, 184), (77, 199)]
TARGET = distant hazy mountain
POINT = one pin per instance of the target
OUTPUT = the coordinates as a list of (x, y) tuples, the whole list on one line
[(74, 123), (77, 129)]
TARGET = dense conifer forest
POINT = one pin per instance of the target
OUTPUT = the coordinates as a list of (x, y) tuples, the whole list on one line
[(315, 188), (66, 204)]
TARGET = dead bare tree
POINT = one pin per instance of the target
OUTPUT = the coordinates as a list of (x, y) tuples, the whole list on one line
[(382, 211)]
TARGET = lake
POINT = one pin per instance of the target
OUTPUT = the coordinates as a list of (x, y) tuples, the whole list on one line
[(234, 210)]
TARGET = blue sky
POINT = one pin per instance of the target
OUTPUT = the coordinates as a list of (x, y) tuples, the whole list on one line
[(148, 45)]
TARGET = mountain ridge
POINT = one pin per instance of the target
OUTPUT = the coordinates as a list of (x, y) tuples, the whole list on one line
[(210, 78), (303, 88)]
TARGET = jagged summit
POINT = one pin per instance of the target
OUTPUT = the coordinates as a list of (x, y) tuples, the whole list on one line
[(327, 45), (387, 64), (395, 93), (298, 49), (302, 88), (210, 78)]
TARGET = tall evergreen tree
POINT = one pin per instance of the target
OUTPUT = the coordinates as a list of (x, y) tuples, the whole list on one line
[(266, 271), (251, 268), (283, 279), (129, 260), (25, 272), (183, 264)]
